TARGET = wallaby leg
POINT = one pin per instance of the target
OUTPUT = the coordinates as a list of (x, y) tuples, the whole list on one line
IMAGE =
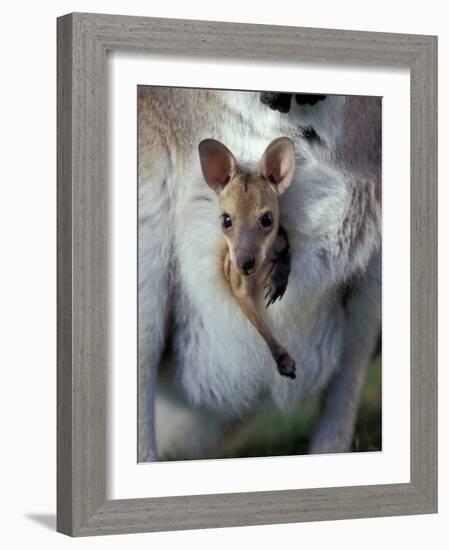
[(286, 365), (153, 306), (336, 426), (335, 430)]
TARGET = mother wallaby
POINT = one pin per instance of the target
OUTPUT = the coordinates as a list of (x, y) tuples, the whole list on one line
[(329, 318)]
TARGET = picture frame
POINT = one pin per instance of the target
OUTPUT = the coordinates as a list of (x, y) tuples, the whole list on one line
[(83, 40)]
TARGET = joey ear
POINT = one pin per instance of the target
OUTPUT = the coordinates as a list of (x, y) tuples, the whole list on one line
[(278, 163), (217, 163)]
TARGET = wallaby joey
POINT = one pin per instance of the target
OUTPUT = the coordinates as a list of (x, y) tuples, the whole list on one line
[(257, 252)]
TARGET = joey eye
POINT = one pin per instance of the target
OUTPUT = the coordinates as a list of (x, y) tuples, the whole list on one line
[(267, 219), (226, 221)]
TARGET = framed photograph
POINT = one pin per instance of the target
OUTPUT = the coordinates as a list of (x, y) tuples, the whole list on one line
[(247, 274)]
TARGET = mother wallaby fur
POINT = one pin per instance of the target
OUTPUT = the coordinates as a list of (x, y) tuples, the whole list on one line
[(329, 318)]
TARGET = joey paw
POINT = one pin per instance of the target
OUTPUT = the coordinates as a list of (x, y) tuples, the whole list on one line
[(286, 366), (277, 285)]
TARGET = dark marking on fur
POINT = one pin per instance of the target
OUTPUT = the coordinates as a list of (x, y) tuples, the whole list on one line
[(246, 182), (309, 133), (278, 101), (309, 99)]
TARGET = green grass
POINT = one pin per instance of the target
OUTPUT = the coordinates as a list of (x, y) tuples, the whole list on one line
[(276, 434)]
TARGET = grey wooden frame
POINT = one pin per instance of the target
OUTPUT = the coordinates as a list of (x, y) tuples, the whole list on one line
[(83, 40)]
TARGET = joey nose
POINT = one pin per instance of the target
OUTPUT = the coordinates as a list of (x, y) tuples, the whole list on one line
[(247, 264)]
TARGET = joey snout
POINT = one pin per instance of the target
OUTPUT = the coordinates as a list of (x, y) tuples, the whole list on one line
[(248, 259), (246, 262), (249, 248)]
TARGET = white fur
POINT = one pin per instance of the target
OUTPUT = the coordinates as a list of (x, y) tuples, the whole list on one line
[(222, 363)]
